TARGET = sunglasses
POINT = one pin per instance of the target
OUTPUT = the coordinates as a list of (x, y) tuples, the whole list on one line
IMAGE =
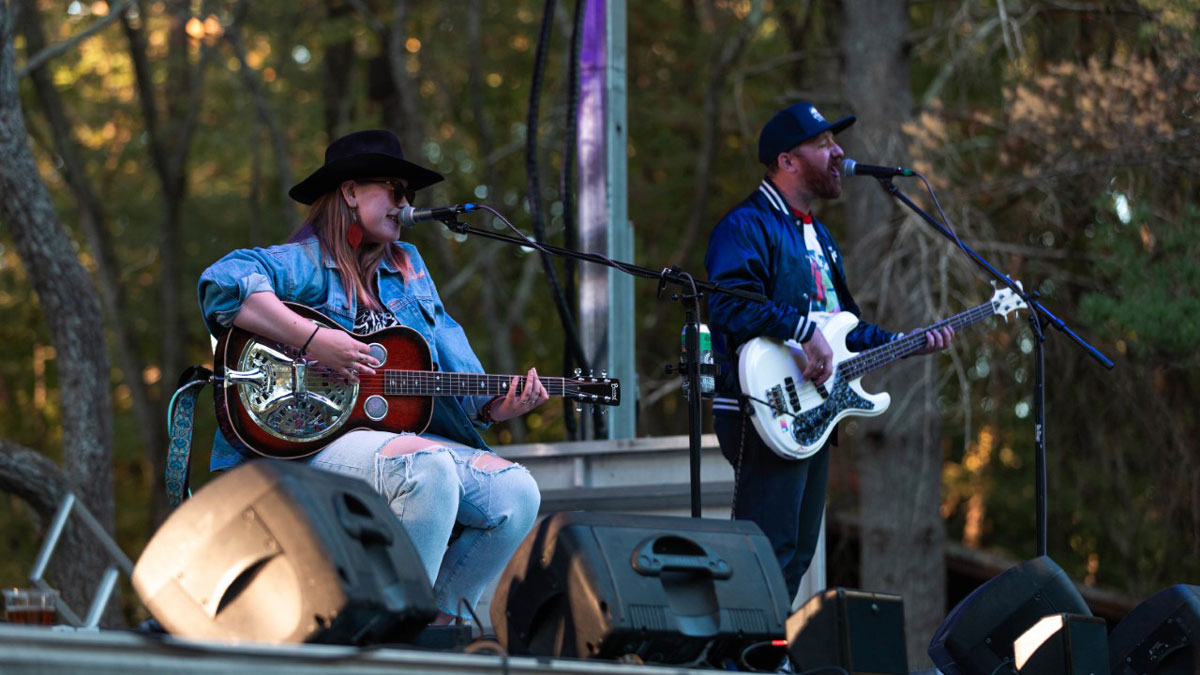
[(397, 188)]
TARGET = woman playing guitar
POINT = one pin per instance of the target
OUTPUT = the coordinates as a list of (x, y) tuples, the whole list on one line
[(346, 262)]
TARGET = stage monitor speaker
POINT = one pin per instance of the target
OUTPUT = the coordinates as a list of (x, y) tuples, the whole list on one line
[(666, 589), (853, 631), (278, 551), (977, 636), (1161, 636), (1063, 644)]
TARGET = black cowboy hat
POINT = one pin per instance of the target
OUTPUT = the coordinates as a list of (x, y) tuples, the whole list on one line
[(374, 153)]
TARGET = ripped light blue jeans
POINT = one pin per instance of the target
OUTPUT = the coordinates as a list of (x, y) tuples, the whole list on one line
[(434, 488)]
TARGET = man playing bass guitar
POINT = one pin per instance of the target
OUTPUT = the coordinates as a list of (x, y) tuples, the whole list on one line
[(771, 244)]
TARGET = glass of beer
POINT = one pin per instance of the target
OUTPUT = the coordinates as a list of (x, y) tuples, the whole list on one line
[(30, 605)]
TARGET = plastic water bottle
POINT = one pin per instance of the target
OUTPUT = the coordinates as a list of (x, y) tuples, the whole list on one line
[(708, 382)]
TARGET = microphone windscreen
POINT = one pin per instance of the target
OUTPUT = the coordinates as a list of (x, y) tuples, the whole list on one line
[(407, 216)]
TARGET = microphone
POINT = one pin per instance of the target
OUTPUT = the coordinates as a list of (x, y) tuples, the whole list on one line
[(853, 168), (410, 216)]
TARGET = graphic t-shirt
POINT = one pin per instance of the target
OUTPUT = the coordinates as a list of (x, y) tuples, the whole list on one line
[(367, 320), (824, 298)]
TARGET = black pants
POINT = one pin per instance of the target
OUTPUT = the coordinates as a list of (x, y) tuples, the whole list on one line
[(784, 497)]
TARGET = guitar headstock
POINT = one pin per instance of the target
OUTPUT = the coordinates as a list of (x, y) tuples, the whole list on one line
[(1005, 301), (595, 390)]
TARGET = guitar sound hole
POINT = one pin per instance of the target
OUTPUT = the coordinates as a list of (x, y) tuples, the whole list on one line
[(375, 407), (379, 352)]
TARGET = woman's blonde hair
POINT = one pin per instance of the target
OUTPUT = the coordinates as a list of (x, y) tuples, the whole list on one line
[(329, 220)]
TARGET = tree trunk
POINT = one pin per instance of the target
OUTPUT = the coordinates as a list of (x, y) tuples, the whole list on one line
[(899, 457), (715, 92), (169, 142), (77, 560), (339, 62), (181, 103), (73, 317), (498, 313), (408, 120), (279, 149), (94, 226)]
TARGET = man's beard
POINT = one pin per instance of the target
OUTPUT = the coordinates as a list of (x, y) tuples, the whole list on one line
[(824, 185), (829, 188)]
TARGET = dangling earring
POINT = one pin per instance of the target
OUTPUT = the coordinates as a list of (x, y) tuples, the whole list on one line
[(354, 234)]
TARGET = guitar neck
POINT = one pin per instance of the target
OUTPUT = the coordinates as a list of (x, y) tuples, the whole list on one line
[(864, 362), (433, 383)]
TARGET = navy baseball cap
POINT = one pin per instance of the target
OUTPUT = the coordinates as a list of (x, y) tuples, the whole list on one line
[(792, 126)]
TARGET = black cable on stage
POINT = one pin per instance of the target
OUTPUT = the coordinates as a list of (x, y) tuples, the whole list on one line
[(565, 316), (566, 190)]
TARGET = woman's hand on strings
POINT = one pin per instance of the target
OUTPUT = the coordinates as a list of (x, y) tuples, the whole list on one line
[(516, 403), (341, 353), (263, 313)]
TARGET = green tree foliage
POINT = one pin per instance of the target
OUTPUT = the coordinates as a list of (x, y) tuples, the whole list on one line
[(1079, 177), (1154, 306)]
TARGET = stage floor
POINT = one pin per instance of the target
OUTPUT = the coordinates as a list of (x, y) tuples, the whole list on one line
[(28, 650)]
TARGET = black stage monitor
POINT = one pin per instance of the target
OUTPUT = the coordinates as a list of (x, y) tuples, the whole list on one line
[(1063, 644), (278, 551), (977, 636), (841, 629), (1161, 636), (666, 589)]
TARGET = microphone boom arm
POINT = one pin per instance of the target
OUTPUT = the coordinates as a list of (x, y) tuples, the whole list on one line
[(671, 275), (1037, 316)]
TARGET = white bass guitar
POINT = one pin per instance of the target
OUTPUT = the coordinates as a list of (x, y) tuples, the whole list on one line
[(793, 416)]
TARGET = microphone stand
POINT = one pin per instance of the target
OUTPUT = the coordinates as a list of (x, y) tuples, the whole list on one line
[(692, 329), (1039, 317)]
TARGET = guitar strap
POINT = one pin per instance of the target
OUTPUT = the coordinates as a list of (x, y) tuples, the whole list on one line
[(180, 424), (737, 468)]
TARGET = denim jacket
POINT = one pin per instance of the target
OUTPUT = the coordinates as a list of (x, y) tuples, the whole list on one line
[(298, 272), (759, 247)]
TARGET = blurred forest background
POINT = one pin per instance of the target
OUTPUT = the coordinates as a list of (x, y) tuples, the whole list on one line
[(1060, 135)]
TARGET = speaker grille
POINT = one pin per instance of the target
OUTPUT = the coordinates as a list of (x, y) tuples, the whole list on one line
[(651, 617), (748, 620)]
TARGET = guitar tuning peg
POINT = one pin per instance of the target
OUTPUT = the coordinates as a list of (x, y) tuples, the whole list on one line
[(595, 408), (578, 407), (578, 372), (603, 374), (590, 372)]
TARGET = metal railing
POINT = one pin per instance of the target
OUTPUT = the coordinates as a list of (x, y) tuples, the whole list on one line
[(107, 582)]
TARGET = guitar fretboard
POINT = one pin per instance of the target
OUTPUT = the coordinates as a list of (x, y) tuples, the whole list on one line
[(864, 362), (427, 383)]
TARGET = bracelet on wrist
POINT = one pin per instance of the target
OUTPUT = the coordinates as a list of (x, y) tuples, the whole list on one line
[(304, 349), (485, 413)]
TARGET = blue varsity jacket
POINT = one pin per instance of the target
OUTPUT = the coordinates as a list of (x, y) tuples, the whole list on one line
[(759, 247)]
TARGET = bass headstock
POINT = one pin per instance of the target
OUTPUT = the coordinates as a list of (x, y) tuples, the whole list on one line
[(1005, 301)]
